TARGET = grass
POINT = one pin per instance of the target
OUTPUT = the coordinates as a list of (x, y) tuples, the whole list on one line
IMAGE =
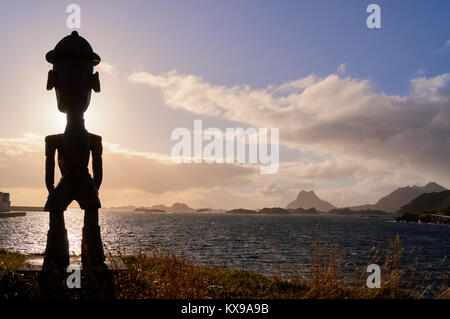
[(164, 275), (9, 261)]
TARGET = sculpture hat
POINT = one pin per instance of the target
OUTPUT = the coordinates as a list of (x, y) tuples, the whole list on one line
[(73, 45)]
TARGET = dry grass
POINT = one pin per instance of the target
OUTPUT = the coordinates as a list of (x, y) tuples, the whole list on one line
[(164, 275)]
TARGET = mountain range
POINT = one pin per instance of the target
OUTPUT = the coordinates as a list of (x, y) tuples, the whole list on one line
[(306, 200), (400, 197), (390, 203)]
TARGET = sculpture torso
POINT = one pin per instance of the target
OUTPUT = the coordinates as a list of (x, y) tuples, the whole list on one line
[(73, 153), (74, 147)]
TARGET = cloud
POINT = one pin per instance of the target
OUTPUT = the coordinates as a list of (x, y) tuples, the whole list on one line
[(419, 72), (330, 169), (19, 162), (303, 185), (271, 190), (443, 48), (16, 146), (22, 170), (292, 86), (107, 68), (342, 118), (429, 88), (153, 175)]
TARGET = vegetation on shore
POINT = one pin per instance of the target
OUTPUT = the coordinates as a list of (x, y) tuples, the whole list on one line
[(429, 208), (424, 218), (360, 212), (164, 275)]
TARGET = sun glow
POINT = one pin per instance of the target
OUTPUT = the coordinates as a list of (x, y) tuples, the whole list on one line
[(59, 120), (56, 121), (90, 118)]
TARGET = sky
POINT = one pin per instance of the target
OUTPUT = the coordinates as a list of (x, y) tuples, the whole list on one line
[(360, 111)]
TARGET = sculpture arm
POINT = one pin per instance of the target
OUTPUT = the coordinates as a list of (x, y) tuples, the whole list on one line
[(97, 163), (50, 149)]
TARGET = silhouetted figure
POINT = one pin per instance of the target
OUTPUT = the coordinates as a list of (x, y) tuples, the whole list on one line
[(73, 79)]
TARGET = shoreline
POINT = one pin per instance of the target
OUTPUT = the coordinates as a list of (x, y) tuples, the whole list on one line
[(162, 275), (435, 219)]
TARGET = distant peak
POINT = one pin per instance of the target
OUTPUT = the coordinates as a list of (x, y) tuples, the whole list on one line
[(434, 187), (310, 192), (303, 193), (432, 184), (308, 199), (179, 204)]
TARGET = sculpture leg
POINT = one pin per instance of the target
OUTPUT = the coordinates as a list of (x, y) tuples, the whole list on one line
[(99, 280), (57, 249), (92, 254)]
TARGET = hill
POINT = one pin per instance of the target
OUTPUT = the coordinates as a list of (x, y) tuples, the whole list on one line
[(310, 211), (242, 211), (307, 200), (175, 208), (438, 202), (274, 210)]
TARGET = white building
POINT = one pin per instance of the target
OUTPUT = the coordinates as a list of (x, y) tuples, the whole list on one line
[(4, 202)]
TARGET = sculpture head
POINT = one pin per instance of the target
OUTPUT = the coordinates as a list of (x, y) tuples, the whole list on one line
[(72, 75)]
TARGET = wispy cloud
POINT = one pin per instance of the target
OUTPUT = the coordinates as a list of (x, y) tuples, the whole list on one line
[(444, 48), (107, 68), (419, 72)]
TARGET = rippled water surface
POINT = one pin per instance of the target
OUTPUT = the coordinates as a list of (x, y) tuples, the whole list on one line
[(251, 242)]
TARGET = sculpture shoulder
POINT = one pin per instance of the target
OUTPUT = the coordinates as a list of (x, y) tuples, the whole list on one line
[(96, 143), (95, 139), (53, 140)]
